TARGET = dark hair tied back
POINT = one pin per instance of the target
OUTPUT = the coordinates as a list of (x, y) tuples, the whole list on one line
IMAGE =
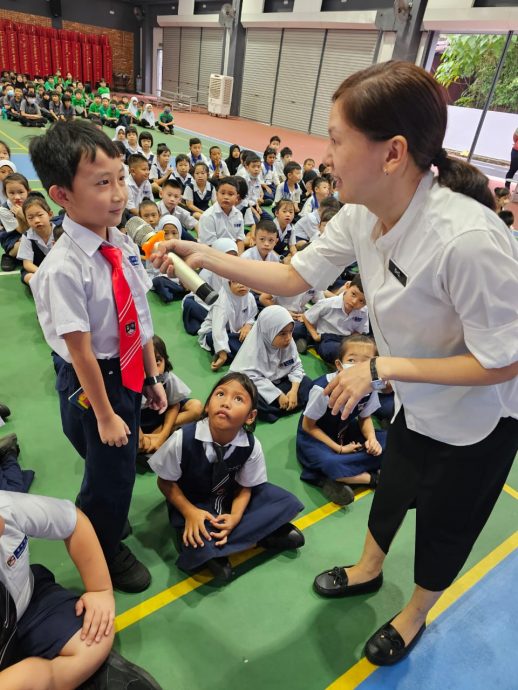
[(440, 158)]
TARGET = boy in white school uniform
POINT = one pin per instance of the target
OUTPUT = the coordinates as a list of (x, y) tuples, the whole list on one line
[(91, 300), (171, 196), (139, 186), (290, 188), (51, 637), (223, 219)]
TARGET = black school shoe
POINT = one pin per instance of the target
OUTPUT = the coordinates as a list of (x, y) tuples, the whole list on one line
[(387, 647), (284, 538), (221, 568), (334, 583), (127, 573), (338, 492), (8, 446), (8, 263), (7, 627), (117, 673), (5, 412)]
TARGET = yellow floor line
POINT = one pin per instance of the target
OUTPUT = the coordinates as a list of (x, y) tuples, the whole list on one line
[(18, 143), (512, 492), (167, 596), (363, 669)]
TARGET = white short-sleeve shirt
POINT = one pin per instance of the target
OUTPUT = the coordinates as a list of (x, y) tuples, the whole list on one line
[(252, 254), (175, 389), (328, 316), (73, 290), (215, 223), (28, 516), (136, 194), (185, 218), (26, 252), (441, 282), (318, 403), (167, 461)]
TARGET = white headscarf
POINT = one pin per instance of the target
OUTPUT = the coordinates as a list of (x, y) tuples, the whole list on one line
[(148, 114), (117, 130), (257, 356), (168, 219), (132, 107)]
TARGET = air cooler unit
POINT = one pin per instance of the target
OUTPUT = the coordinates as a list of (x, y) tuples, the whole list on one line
[(220, 94)]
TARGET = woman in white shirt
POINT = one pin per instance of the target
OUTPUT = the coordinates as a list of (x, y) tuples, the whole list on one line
[(439, 270)]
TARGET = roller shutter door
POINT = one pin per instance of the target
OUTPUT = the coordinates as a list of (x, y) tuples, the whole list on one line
[(189, 61), (298, 73), (212, 41), (345, 52), (171, 59), (259, 73)]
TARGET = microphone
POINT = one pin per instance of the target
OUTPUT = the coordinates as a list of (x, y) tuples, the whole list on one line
[(144, 235)]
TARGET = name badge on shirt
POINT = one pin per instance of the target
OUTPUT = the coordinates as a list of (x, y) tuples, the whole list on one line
[(237, 225), (134, 260), (15, 557), (357, 318), (397, 273), (288, 363)]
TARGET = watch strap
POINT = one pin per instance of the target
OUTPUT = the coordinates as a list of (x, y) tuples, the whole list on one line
[(151, 380), (374, 370)]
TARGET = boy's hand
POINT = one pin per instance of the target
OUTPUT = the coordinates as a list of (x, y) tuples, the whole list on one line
[(99, 614), (244, 331), (283, 401), (114, 431), (226, 523), (292, 400), (156, 397), (373, 446), (195, 527)]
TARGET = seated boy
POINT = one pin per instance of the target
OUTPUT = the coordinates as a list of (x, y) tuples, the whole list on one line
[(265, 241), (139, 186), (331, 319), (195, 155), (171, 196), (183, 166), (285, 157), (254, 182), (217, 166), (51, 638), (321, 190), (148, 211), (290, 188), (307, 228), (166, 120), (223, 219)]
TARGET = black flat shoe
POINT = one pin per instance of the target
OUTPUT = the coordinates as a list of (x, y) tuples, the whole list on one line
[(374, 480), (127, 573), (120, 674), (387, 647), (221, 568), (337, 492), (9, 446), (334, 583), (284, 538)]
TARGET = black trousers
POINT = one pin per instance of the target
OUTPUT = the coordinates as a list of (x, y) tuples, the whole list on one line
[(512, 168), (109, 476), (453, 489)]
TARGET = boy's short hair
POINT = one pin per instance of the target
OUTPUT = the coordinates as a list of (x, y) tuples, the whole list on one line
[(234, 181), (182, 157), (173, 183), (135, 159), (201, 164), (330, 202), (308, 160), (327, 214), (66, 97), (318, 182), (357, 282), (131, 130), (161, 148), (57, 153), (252, 157), (214, 148), (275, 138), (356, 338), (243, 155), (507, 217), (269, 152), (120, 147), (290, 167), (193, 141), (286, 151), (145, 135), (146, 202), (500, 192), (267, 226)]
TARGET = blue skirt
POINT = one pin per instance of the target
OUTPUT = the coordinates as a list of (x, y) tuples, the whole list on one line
[(320, 462), (269, 508)]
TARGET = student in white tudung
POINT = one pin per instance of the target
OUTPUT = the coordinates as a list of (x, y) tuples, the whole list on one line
[(417, 238), (223, 219), (269, 357)]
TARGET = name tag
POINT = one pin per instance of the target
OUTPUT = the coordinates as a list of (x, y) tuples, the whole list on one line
[(357, 318), (397, 273), (288, 363), (237, 225), (134, 260), (15, 557)]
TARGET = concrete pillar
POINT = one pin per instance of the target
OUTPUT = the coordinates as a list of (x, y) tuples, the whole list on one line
[(407, 28), (235, 50)]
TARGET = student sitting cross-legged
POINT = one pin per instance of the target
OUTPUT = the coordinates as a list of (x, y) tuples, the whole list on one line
[(334, 453), (213, 475)]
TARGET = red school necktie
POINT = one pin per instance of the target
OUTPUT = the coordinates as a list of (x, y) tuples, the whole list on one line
[(130, 345)]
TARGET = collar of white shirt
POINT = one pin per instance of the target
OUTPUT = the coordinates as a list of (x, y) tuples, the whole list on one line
[(85, 239), (203, 434)]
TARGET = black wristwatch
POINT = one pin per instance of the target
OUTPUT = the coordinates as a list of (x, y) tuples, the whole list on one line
[(151, 380), (376, 383)]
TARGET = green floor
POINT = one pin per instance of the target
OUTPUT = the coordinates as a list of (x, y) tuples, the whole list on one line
[(267, 629)]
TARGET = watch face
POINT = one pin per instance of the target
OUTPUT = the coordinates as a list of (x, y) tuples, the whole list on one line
[(378, 385)]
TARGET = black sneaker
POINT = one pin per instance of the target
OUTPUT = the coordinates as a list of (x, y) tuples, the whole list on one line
[(338, 492), (8, 446), (284, 538), (5, 412), (117, 673), (127, 573), (8, 263)]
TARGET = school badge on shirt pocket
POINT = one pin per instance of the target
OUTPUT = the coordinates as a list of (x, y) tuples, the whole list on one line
[(131, 328)]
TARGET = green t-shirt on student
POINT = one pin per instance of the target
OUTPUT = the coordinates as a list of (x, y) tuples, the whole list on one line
[(103, 89), (166, 118), (94, 109), (49, 85), (112, 112), (78, 102)]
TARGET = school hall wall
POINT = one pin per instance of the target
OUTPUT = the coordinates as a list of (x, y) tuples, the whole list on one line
[(93, 16)]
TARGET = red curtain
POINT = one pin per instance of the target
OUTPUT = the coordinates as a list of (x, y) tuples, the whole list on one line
[(41, 51)]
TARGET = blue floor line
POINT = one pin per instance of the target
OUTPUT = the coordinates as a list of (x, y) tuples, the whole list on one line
[(471, 646)]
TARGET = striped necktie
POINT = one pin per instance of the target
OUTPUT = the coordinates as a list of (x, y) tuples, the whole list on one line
[(130, 345)]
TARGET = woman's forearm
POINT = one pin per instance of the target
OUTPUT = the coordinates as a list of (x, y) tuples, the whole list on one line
[(460, 370)]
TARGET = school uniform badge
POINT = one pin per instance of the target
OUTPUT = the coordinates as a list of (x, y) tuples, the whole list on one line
[(131, 328)]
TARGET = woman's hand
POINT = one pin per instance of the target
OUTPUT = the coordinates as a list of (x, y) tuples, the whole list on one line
[(195, 527), (348, 387), (192, 253), (225, 523)]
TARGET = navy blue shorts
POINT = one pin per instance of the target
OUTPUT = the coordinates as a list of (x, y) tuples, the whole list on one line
[(50, 620)]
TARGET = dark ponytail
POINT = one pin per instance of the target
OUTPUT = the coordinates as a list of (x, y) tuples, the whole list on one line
[(400, 98)]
